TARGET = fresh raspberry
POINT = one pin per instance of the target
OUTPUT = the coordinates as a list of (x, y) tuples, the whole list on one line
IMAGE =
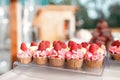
[(54, 43), (57, 46), (63, 45), (84, 44), (23, 46), (116, 43), (93, 47), (70, 43), (33, 44), (47, 43), (79, 46), (42, 46), (74, 47)]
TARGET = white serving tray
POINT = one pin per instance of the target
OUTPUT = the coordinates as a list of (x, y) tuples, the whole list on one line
[(83, 70)]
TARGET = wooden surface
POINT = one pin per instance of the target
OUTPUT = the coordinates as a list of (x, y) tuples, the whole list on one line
[(13, 29), (115, 29)]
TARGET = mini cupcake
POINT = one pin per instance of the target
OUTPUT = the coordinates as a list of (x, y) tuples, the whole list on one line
[(24, 55), (114, 50), (95, 56), (40, 55), (75, 56), (57, 56)]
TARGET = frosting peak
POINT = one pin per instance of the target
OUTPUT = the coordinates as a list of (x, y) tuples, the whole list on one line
[(24, 54)]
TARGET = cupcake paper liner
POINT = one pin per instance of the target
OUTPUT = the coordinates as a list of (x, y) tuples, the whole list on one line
[(40, 60), (115, 56), (25, 60), (56, 62), (94, 64), (74, 64)]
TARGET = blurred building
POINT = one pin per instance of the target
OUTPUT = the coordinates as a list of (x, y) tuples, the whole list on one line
[(55, 22)]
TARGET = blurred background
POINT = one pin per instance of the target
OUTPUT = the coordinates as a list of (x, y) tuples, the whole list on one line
[(89, 12), (35, 19)]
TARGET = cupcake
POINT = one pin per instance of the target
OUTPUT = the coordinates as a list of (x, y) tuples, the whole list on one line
[(40, 55), (24, 55), (114, 50), (95, 55), (57, 55), (75, 56)]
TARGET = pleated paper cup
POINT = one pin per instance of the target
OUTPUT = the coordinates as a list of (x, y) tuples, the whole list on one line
[(74, 64), (94, 63), (41, 60), (56, 62), (25, 60), (115, 56)]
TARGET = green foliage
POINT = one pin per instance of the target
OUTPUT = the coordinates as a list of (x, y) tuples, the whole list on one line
[(114, 19), (88, 23)]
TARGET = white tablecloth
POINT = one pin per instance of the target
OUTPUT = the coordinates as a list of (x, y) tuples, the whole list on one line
[(111, 72)]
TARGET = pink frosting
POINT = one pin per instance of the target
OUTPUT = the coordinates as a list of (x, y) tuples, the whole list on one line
[(95, 56), (24, 54), (74, 54), (114, 50), (40, 53), (57, 54)]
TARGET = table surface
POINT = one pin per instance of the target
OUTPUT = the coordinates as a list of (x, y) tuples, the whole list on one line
[(111, 72)]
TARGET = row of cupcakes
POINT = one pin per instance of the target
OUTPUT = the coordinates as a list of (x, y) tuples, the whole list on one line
[(59, 54)]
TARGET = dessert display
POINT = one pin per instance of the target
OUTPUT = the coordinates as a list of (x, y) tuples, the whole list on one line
[(40, 55), (75, 56), (102, 34), (65, 56), (95, 55), (114, 50), (24, 55)]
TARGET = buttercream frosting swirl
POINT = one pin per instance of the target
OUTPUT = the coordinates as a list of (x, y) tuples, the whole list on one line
[(24, 54)]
